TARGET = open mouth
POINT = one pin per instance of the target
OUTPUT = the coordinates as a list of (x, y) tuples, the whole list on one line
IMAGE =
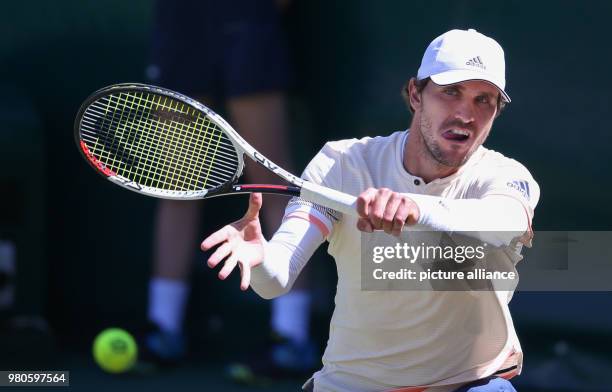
[(456, 135)]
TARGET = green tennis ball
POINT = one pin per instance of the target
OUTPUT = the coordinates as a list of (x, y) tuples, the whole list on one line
[(115, 350)]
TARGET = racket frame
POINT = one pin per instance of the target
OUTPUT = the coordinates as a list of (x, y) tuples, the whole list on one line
[(316, 193)]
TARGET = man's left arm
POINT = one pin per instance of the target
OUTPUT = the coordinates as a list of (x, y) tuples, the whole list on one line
[(495, 219), (500, 210)]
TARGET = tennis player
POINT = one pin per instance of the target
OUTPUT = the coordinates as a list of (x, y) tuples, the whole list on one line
[(436, 173)]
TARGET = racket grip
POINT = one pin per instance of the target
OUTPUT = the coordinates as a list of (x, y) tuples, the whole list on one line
[(327, 197)]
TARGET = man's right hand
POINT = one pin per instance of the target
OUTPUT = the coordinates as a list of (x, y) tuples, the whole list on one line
[(383, 209), (240, 242)]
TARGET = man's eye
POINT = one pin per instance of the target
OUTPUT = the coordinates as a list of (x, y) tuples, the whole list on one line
[(450, 91), (483, 99)]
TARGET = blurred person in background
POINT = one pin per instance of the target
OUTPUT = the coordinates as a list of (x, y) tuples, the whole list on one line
[(231, 53)]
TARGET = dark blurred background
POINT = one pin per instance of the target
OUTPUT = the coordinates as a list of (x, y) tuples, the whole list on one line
[(81, 247)]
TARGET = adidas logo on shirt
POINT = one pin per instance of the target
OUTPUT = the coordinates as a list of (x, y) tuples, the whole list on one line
[(521, 186), (476, 62)]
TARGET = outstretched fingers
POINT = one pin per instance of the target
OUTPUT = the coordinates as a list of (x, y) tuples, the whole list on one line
[(217, 237), (255, 202), (219, 254), (245, 272), (228, 266), (239, 243)]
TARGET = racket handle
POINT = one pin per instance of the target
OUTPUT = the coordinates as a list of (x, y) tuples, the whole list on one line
[(343, 202), (327, 197)]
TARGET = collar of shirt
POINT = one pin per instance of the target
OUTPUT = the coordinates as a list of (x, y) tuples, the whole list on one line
[(417, 184)]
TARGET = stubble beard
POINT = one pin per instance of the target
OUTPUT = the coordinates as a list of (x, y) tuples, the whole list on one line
[(433, 147)]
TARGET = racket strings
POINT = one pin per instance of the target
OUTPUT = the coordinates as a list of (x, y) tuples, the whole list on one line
[(164, 150), (157, 141), (223, 151), (122, 166)]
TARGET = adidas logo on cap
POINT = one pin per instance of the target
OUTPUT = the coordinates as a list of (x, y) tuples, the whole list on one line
[(476, 62)]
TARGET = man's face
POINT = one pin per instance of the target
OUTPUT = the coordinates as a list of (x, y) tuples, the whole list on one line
[(456, 119)]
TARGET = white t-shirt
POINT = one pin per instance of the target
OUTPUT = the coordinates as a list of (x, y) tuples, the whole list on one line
[(385, 339)]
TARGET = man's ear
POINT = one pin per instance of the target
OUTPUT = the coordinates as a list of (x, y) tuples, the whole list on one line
[(414, 96)]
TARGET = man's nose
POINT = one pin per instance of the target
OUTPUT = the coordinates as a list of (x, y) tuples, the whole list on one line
[(465, 111)]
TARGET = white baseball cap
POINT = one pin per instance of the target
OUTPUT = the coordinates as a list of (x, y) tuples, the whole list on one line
[(461, 55)]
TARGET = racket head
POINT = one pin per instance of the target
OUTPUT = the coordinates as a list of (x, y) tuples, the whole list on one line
[(158, 142)]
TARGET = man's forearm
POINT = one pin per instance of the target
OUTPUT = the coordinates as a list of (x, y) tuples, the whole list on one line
[(496, 220), (284, 257)]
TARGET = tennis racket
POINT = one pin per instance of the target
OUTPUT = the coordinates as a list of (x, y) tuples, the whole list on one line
[(163, 144)]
